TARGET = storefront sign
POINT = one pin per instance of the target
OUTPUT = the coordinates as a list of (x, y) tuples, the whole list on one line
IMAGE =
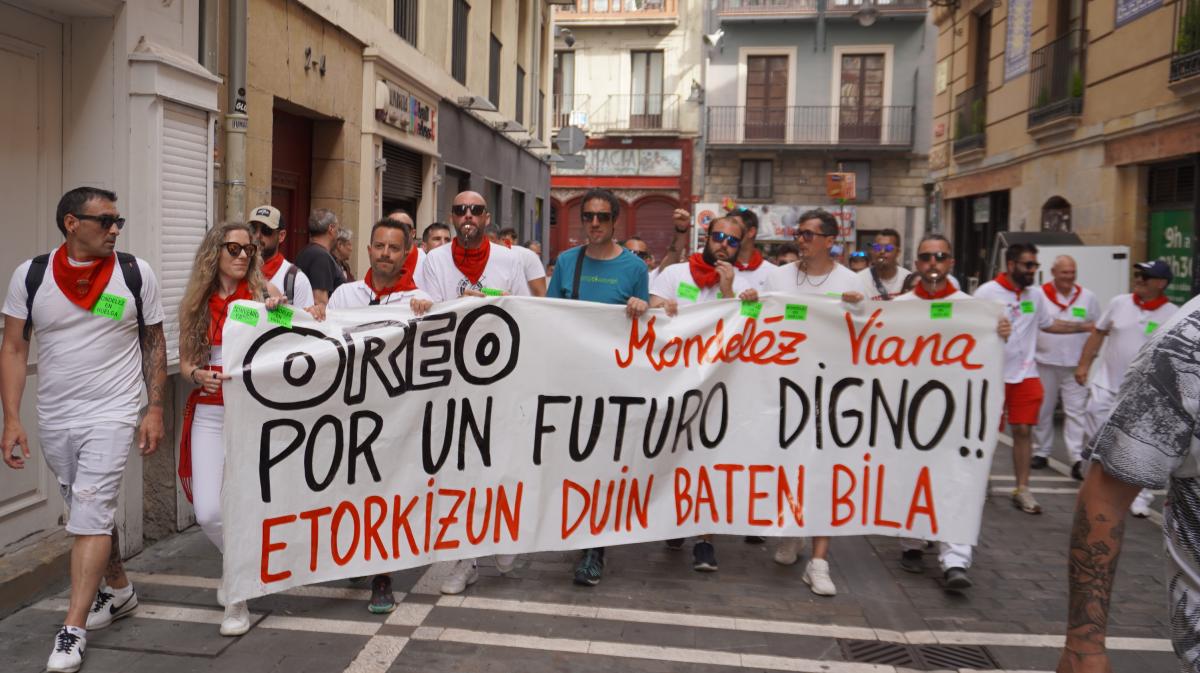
[(1171, 241), (1016, 40), (646, 162), (778, 222), (398, 108), (1128, 10)]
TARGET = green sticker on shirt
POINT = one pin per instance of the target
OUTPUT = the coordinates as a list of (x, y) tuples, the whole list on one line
[(492, 292), (244, 314), (282, 316), (835, 295), (1150, 327), (688, 291), (796, 312), (751, 309), (939, 310), (1079, 311), (110, 306), (1027, 307)]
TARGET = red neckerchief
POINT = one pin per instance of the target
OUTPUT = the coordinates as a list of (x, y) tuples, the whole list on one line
[(271, 266), (703, 273), (403, 282), (756, 260), (921, 292), (507, 244), (471, 262), (1008, 285), (82, 285), (218, 310), (1052, 295), (1149, 305)]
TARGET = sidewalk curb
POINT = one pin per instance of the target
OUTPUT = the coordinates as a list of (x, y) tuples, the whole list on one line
[(34, 572)]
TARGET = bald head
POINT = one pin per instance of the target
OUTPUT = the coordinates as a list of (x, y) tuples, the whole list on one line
[(470, 216), (1064, 273)]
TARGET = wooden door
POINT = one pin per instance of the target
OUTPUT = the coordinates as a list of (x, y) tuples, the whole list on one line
[(766, 98), (860, 108), (291, 177)]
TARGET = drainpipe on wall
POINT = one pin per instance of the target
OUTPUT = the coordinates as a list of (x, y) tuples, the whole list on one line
[(819, 43), (236, 121)]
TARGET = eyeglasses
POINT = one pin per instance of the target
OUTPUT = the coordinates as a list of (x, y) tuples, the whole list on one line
[(1028, 266), (642, 253), (936, 256), (880, 247), (808, 236), (600, 216), (858, 255), (722, 237), (235, 250), (461, 209), (106, 221)]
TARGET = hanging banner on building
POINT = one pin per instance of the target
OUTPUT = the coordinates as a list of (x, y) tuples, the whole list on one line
[(1128, 10), (376, 441), (779, 222), (1016, 38)]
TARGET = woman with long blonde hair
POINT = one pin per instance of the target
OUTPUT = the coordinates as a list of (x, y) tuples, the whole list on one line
[(227, 268)]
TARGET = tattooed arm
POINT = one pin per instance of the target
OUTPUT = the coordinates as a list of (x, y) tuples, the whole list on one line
[(1095, 548), (154, 371)]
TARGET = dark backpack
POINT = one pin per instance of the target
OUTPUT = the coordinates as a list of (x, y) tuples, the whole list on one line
[(289, 282), (129, 269)]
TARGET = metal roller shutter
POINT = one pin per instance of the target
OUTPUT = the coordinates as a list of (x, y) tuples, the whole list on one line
[(402, 176), (185, 207)]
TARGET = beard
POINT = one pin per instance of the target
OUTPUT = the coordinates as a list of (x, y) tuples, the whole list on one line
[(268, 253), (710, 257)]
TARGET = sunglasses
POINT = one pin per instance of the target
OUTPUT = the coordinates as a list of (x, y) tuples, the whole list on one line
[(858, 255), (719, 237), (601, 217), (106, 221), (642, 253), (808, 236), (461, 209), (236, 250), (880, 247), (935, 256)]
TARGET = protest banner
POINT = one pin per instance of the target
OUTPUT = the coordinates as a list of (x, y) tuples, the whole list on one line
[(376, 441)]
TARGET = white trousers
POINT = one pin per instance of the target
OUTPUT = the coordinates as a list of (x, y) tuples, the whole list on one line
[(950, 554), (1060, 381), (1100, 406), (208, 467)]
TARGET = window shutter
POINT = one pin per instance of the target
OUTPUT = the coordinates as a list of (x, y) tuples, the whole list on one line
[(184, 200), (402, 176)]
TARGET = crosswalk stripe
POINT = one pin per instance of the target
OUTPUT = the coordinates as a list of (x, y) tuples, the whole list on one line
[(378, 655), (190, 581)]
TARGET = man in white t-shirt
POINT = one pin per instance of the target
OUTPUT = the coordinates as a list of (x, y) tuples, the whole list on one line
[(531, 263), (390, 280), (883, 280), (750, 264), (98, 344), (435, 236), (1027, 309), (1126, 325), (270, 231), (1057, 356), (402, 216), (471, 265)]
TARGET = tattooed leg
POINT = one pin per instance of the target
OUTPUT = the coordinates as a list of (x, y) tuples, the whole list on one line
[(114, 572)]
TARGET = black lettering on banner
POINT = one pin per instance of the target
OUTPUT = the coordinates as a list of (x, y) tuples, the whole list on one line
[(687, 417), (787, 386), (712, 442), (915, 407), (540, 427), (310, 449), (372, 348), (483, 438), (896, 420), (308, 335), (662, 434), (593, 435), (360, 447), (817, 415), (835, 394), (430, 340), (467, 422), (428, 462), (265, 460), (299, 380), (622, 403), (489, 349)]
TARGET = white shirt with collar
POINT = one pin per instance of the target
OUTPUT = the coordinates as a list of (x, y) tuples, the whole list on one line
[(1063, 350)]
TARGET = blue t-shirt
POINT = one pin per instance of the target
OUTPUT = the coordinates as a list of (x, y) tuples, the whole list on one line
[(608, 281)]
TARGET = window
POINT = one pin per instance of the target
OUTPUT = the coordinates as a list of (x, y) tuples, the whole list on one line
[(862, 177), (518, 213), (458, 58), (520, 114), (563, 88), (756, 179), (404, 20), (1172, 184), (646, 99), (494, 72)]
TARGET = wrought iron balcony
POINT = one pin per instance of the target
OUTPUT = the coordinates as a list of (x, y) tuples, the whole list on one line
[(1056, 79), (733, 9), (811, 126), (970, 119), (1185, 57), (618, 11), (570, 110), (644, 113)]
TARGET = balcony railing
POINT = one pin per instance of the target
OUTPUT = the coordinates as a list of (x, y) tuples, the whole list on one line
[(811, 126), (1056, 78), (1185, 58), (970, 119), (637, 112), (800, 8), (618, 11), (570, 110)]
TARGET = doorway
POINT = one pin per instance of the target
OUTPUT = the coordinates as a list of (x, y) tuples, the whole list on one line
[(291, 176), (766, 98)]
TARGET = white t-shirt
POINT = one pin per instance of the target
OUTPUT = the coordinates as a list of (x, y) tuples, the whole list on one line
[(358, 295), (789, 279), (443, 281), (912, 296), (1028, 315), (1063, 350), (670, 280), (1128, 327), (302, 287), (894, 286), (757, 278), (89, 366), (530, 262)]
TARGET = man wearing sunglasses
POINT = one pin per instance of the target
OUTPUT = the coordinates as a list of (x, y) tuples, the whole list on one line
[(316, 260), (642, 251), (1029, 312), (1057, 356), (1125, 326), (270, 232), (883, 280), (471, 265), (750, 264), (858, 260), (98, 343)]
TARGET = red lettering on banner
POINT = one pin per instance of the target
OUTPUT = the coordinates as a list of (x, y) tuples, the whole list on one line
[(704, 494), (629, 502), (343, 509), (766, 347), (844, 498), (682, 495), (785, 501), (445, 521), (866, 348), (923, 491), (400, 520), (313, 516), (572, 486), (505, 511), (728, 470), (879, 520), (371, 525), (756, 495), (487, 513), (264, 572)]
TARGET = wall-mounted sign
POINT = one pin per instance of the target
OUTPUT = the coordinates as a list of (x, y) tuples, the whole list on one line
[(1016, 40), (942, 76), (400, 109), (840, 186), (650, 162), (1128, 10)]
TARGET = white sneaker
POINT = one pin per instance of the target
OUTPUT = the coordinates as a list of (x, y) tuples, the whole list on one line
[(1141, 504), (221, 595), (110, 606), (237, 619), (816, 576), (463, 576), (506, 562), (788, 550), (67, 655)]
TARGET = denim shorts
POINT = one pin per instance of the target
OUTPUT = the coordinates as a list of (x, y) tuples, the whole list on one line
[(89, 462)]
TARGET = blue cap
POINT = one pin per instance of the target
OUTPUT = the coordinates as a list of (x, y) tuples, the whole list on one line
[(835, 250), (1155, 269)]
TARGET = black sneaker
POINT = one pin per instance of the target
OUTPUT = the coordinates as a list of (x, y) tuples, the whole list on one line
[(1039, 462), (704, 557), (1077, 470), (956, 578), (675, 544), (382, 600), (589, 568), (755, 539), (912, 561)]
